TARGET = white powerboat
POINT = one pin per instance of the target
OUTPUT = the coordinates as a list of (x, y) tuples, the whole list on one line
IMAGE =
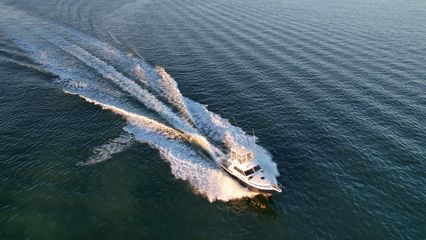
[(242, 165)]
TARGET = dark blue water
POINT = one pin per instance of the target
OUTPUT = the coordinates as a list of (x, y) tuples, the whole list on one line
[(335, 92)]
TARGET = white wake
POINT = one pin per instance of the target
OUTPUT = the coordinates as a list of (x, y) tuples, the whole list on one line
[(187, 135)]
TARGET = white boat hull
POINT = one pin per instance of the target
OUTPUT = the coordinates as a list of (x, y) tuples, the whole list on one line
[(254, 188)]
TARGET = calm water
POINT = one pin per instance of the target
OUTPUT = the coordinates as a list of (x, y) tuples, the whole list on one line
[(335, 91)]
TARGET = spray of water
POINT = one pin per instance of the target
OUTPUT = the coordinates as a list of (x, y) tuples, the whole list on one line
[(186, 164)]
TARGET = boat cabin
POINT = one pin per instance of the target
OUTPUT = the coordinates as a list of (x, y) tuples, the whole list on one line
[(242, 160), (241, 164), (241, 154)]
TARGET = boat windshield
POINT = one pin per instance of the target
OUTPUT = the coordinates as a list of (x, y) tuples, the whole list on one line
[(249, 172), (252, 170)]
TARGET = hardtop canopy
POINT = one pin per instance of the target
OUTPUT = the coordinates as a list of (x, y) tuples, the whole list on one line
[(241, 154)]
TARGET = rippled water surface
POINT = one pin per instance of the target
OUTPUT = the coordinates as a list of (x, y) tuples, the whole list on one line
[(98, 97)]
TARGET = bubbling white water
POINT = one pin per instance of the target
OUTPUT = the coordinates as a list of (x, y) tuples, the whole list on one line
[(186, 164)]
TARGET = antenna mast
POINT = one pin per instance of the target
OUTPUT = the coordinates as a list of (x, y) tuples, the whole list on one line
[(254, 140)]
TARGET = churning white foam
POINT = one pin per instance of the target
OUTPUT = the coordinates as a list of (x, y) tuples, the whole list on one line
[(188, 165), (222, 131)]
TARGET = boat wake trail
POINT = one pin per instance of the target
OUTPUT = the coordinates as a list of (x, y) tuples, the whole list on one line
[(106, 151), (187, 135)]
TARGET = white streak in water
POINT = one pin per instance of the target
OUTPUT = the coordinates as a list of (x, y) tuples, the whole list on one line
[(106, 151), (171, 91)]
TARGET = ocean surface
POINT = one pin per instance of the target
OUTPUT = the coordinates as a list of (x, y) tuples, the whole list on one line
[(96, 97)]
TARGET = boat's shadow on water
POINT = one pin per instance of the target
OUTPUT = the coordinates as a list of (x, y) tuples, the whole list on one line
[(259, 205)]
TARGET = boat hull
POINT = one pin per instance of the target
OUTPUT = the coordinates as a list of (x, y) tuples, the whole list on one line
[(252, 188)]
